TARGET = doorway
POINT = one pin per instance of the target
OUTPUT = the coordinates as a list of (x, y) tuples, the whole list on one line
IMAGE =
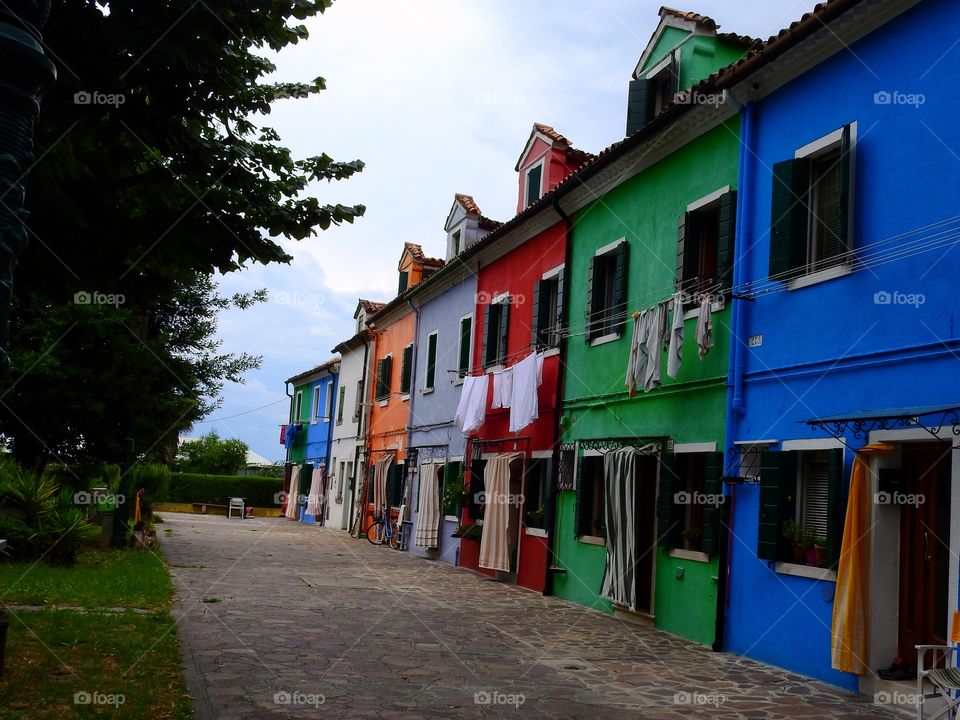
[(924, 545), (645, 512)]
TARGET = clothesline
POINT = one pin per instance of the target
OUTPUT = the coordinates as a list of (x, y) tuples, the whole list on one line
[(515, 388)]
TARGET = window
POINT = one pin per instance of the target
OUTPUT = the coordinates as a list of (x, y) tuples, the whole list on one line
[(341, 400), (590, 497), (463, 349), (533, 187), (430, 381), (535, 493), (496, 322), (456, 243), (607, 291), (477, 488), (438, 479), (383, 378), (650, 94), (452, 488), (404, 281), (690, 500), (811, 212), (395, 480), (316, 403), (705, 244), (547, 308), (800, 504), (340, 478), (406, 370), (299, 406), (358, 404), (328, 402)]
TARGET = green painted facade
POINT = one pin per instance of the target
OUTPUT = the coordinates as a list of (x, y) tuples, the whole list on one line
[(688, 409), (298, 453), (700, 56)]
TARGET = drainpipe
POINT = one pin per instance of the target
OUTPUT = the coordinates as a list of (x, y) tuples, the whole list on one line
[(413, 396), (735, 402), (550, 516), (286, 390)]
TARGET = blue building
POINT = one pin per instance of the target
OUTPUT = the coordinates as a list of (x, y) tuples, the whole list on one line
[(312, 408), (846, 314)]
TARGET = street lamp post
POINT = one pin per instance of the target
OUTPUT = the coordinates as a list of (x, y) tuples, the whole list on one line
[(25, 73)]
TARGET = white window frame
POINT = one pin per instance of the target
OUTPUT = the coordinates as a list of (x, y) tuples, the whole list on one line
[(457, 380), (541, 163), (315, 404), (328, 401), (413, 374), (600, 252), (426, 362), (297, 407), (386, 400), (501, 299)]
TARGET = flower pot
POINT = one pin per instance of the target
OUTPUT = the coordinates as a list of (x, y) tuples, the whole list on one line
[(811, 557), (799, 554), (821, 553)]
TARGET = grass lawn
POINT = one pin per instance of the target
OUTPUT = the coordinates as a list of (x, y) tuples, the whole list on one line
[(56, 659)]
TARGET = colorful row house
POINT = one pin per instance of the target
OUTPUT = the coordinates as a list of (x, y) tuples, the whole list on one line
[(703, 379)]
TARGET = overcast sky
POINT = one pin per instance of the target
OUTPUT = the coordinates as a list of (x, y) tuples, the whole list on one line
[(436, 97)]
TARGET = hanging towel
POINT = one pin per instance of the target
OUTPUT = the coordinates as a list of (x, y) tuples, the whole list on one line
[(472, 408), (283, 433), (502, 388), (619, 575), (294, 494), (428, 518), (655, 337), (381, 469), (851, 600), (494, 542), (313, 498), (291, 435), (675, 348), (637, 362), (524, 402), (704, 327)]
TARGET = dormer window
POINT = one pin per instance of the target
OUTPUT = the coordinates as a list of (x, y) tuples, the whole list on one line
[(404, 281), (456, 243), (652, 92), (664, 85), (533, 188)]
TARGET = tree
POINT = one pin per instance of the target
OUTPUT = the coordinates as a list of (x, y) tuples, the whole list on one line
[(154, 172), (210, 454)]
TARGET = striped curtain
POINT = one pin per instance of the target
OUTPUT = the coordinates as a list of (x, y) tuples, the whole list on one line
[(619, 575), (494, 542), (294, 494), (316, 486), (381, 470), (428, 519)]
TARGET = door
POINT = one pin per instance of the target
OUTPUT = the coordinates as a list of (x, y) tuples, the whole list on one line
[(645, 512), (924, 505), (516, 493)]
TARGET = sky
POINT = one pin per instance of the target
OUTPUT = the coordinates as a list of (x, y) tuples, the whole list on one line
[(436, 97)]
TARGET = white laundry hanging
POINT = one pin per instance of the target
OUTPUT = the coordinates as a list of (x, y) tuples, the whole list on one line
[(472, 408), (675, 349), (704, 327), (524, 400)]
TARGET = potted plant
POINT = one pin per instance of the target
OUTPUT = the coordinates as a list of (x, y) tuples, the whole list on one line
[(535, 517), (794, 532), (472, 532), (820, 550), (809, 551)]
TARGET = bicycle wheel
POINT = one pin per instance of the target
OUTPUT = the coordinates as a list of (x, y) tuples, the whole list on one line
[(375, 533), (395, 536)]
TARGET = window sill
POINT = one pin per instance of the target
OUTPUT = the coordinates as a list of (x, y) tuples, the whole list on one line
[(692, 555), (427, 391), (404, 398), (451, 518), (382, 403), (820, 276), (536, 532), (491, 369), (604, 339), (457, 382), (591, 540), (814, 573)]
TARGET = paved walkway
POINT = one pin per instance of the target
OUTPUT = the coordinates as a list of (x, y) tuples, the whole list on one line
[(284, 620)]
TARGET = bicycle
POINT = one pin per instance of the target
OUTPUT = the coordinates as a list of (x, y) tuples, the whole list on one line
[(383, 531)]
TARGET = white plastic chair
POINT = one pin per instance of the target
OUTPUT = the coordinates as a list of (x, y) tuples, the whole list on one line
[(235, 504), (943, 675)]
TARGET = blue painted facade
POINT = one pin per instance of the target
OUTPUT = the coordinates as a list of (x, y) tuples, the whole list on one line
[(884, 336), (317, 431)]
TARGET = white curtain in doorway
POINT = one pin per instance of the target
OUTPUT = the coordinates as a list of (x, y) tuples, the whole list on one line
[(619, 575), (294, 494), (316, 487), (494, 542), (428, 500), (380, 471)]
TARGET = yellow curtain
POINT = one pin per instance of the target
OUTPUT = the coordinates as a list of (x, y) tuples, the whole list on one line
[(851, 603)]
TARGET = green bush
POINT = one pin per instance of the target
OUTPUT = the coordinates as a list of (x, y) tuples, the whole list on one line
[(64, 530), (218, 489)]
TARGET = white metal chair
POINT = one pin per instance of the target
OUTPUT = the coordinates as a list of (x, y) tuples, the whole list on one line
[(943, 675), (235, 504)]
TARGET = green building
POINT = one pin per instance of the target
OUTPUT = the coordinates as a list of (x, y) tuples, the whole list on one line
[(661, 220)]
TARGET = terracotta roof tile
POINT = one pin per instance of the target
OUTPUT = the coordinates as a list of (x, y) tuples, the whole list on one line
[(690, 16), (371, 306), (312, 371), (488, 224), (468, 204), (415, 250)]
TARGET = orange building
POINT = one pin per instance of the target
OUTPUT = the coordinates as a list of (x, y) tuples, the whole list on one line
[(392, 382)]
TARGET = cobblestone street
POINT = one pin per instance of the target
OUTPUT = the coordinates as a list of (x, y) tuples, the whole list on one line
[(284, 620)]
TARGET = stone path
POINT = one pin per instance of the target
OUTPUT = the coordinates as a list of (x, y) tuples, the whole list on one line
[(280, 619)]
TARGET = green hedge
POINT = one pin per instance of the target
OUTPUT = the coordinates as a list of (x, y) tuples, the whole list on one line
[(218, 489)]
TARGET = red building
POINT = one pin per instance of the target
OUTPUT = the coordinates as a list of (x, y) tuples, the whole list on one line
[(519, 312)]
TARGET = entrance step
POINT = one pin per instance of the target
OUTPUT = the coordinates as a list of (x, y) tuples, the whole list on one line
[(898, 695), (631, 616)]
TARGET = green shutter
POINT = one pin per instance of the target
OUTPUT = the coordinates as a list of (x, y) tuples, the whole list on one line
[(404, 279), (778, 488), (712, 486), (846, 167), (485, 334), (537, 333), (466, 332), (726, 236), (561, 315), (835, 509), (380, 384), (577, 489), (406, 369), (669, 527), (503, 336), (674, 75), (593, 288), (431, 379), (789, 216), (639, 104), (341, 399), (688, 248), (618, 311)]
